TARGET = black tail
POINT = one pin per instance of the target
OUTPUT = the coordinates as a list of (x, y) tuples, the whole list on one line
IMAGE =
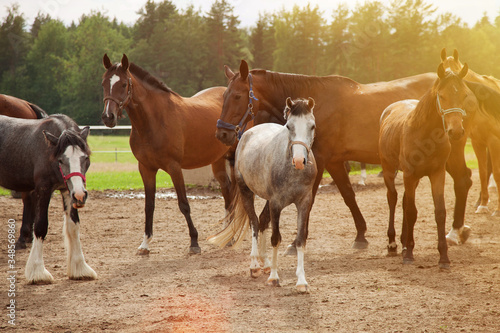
[(40, 113)]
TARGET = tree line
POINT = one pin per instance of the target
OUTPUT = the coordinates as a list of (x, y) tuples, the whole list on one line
[(59, 67)]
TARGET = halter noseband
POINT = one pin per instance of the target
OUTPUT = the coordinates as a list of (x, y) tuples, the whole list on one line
[(122, 104), (308, 149), (72, 174), (242, 125), (446, 111)]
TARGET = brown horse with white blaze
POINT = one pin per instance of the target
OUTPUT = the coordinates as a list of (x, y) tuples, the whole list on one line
[(344, 110), (169, 132)]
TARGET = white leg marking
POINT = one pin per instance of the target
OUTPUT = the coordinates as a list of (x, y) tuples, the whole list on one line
[(301, 275), (492, 184), (393, 245), (452, 237), (263, 250), (77, 267), (254, 255), (35, 271), (363, 177), (273, 277), (482, 209), (145, 243)]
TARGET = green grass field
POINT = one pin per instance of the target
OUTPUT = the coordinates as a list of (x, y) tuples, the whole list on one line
[(113, 152)]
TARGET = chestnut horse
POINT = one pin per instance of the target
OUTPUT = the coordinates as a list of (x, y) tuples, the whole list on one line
[(485, 135), (347, 117), (169, 132), (415, 137)]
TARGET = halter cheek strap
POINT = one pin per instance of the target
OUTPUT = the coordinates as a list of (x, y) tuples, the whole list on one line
[(122, 104), (72, 174), (242, 125), (446, 111)]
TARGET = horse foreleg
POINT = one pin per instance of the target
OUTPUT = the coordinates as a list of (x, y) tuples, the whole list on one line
[(175, 173), (275, 212), (437, 185), (148, 176), (303, 211), (35, 270), (494, 149), (341, 178), (410, 217), (220, 173), (392, 199), (26, 232), (481, 155), (461, 175), (78, 269)]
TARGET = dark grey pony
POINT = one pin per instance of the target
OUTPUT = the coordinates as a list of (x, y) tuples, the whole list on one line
[(276, 163), (39, 157)]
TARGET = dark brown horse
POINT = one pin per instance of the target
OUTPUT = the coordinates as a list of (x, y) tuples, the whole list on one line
[(485, 136), (169, 132), (415, 137), (347, 117), (17, 108)]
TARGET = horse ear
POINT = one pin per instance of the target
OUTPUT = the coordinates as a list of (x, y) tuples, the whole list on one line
[(50, 138), (440, 71), (443, 54), (464, 71), (288, 108), (244, 69), (311, 103), (455, 54), (228, 72), (85, 132), (124, 62), (106, 62)]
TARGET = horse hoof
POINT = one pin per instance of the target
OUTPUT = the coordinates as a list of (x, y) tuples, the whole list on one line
[(392, 251), (290, 251), (363, 245), (20, 245), (496, 213), (464, 235), (267, 270), (143, 252), (303, 289), (408, 261), (194, 250), (444, 267), (255, 272), (482, 210), (273, 283)]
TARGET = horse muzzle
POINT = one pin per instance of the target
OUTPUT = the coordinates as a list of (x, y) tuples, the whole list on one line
[(79, 198), (456, 134), (225, 136), (109, 119)]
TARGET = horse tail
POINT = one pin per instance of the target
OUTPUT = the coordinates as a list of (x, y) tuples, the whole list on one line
[(40, 113), (237, 223)]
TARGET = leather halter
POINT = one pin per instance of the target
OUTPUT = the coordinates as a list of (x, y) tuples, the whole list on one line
[(308, 149), (72, 174), (446, 111), (242, 125), (122, 104)]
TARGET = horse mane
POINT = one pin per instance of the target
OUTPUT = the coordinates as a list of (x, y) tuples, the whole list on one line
[(300, 107), (150, 80), (70, 137)]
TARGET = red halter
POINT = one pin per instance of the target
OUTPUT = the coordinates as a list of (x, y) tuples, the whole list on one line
[(73, 174)]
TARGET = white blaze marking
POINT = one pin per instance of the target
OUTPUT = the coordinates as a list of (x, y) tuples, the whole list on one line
[(73, 154)]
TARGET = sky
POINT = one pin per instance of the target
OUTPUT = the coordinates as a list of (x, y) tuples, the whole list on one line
[(246, 10)]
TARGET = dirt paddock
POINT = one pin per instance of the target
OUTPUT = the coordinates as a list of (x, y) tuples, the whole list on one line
[(171, 291)]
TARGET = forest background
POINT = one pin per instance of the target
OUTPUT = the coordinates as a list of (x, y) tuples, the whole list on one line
[(59, 67)]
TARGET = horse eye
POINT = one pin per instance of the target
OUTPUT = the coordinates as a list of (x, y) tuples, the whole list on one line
[(124, 85), (237, 97), (313, 127), (288, 128)]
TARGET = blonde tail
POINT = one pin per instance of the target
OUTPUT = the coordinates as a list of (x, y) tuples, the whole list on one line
[(237, 223)]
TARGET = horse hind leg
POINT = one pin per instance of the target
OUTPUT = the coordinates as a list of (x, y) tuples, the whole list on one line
[(274, 279), (482, 160), (78, 269), (220, 173), (247, 198), (392, 199)]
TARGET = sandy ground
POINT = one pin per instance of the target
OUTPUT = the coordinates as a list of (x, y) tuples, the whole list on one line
[(171, 291)]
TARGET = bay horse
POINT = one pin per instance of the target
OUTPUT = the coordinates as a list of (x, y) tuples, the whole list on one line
[(169, 132), (39, 157), (274, 162), (485, 138), (18, 108), (344, 110)]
